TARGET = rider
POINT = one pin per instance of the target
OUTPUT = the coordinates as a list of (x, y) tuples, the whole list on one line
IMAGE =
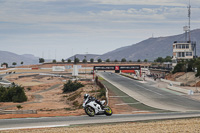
[(93, 99)]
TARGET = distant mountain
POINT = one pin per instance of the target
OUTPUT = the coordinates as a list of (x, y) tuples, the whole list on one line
[(149, 49), (10, 57)]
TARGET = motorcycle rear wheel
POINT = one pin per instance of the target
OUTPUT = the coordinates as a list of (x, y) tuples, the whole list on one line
[(89, 111), (108, 111)]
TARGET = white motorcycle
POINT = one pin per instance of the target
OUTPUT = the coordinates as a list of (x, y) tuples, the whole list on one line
[(92, 108)]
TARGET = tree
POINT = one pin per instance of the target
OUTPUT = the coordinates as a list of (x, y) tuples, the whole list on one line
[(180, 67), (99, 60), (76, 60), (22, 63), (84, 61), (91, 60), (159, 59), (123, 60), (54, 61), (69, 60), (14, 63), (138, 60), (41, 60), (4, 64), (63, 60), (130, 60), (107, 60), (115, 60), (168, 59), (145, 60)]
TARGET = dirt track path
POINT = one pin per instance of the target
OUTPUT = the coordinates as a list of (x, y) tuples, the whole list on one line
[(38, 97)]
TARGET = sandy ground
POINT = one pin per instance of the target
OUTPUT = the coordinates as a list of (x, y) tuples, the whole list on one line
[(167, 126), (53, 102)]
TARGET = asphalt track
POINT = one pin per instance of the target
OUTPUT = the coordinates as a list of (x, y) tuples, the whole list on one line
[(151, 96), (23, 123)]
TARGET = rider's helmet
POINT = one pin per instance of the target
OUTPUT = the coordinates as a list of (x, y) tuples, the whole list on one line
[(86, 96)]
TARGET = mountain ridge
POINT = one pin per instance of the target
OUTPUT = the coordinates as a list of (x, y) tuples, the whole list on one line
[(150, 48)]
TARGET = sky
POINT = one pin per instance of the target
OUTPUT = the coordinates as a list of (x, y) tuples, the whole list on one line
[(58, 29)]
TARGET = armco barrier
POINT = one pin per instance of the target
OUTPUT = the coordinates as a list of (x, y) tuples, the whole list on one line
[(185, 91), (17, 112), (171, 82)]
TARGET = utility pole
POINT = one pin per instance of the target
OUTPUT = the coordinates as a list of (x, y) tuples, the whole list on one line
[(189, 17)]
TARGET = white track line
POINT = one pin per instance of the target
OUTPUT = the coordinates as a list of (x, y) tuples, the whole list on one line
[(48, 126)]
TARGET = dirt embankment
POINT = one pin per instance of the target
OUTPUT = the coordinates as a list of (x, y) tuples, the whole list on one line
[(188, 79), (46, 96)]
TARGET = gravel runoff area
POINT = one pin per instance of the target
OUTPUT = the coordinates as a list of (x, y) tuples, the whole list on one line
[(166, 126)]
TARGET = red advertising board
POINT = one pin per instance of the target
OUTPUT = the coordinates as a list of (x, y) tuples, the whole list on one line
[(116, 67)]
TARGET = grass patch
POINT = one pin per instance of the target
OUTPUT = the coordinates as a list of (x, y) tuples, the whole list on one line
[(100, 78)]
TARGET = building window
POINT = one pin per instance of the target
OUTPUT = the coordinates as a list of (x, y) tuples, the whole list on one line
[(187, 46), (188, 53), (181, 54), (183, 46)]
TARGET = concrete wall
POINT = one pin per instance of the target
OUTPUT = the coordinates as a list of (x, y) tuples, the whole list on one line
[(185, 91)]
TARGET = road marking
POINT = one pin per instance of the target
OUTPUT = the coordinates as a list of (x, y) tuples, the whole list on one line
[(13, 128), (127, 103), (148, 89)]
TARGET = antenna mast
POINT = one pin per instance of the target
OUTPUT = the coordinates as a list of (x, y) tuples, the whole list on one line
[(189, 17)]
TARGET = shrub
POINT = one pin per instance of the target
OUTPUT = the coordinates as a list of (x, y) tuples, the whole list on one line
[(12, 94), (29, 88), (180, 67), (72, 86), (19, 107)]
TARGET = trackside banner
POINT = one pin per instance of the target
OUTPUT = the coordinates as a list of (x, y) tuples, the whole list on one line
[(129, 67), (104, 67), (135, 67)]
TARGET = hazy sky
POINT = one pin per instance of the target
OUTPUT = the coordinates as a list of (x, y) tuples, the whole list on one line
[(60, 28)]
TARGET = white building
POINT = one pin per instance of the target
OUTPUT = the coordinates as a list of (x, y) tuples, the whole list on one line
[(183, 51)]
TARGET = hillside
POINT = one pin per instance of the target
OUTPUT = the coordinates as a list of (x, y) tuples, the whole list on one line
[(10, 57), (149, 49)]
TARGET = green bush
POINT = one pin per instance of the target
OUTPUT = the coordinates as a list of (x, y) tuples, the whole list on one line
[(72, 86), (180, 67), (12, 94)]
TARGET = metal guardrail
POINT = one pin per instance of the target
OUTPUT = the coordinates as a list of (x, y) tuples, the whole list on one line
[(161, 68), (17, 112)]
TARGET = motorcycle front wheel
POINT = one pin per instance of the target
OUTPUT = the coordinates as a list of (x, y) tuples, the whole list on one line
[(89, 111), (108, 111)]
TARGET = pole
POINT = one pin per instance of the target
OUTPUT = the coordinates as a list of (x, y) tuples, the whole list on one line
[(189, 16), (93, 73), (85, 66), (196, 80)]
